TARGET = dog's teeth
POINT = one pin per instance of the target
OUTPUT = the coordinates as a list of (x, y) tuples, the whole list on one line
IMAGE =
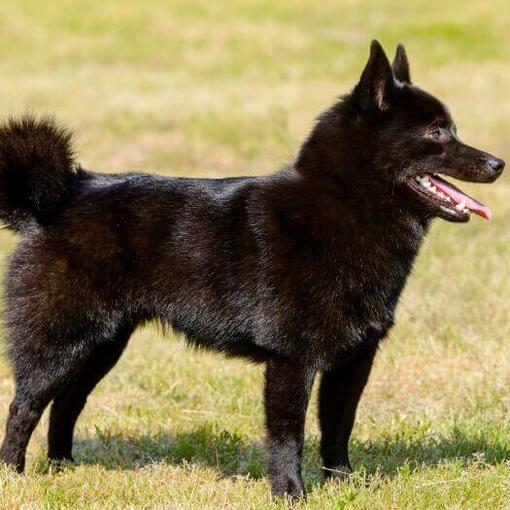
[(424, 181), (466, 210)]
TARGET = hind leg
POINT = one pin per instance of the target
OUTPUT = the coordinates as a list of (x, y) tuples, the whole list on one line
[(39, 375), (69, 403)]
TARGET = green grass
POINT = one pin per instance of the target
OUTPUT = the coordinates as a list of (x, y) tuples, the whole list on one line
[(231, 87)]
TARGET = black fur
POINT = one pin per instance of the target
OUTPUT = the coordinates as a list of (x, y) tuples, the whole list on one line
[(36, 170), (300, 269)]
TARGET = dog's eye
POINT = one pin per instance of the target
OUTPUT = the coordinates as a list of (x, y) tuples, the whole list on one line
[(435, 134), (439, 134)]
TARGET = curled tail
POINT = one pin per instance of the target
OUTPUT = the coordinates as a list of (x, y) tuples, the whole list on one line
[(37, 167)]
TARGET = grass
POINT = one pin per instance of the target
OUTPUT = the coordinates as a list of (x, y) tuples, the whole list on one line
[(228, 88)]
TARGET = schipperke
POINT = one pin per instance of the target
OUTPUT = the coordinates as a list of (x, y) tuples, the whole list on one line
[(300, 269)]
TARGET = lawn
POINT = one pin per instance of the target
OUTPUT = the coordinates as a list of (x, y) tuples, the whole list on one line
[(228, 88)]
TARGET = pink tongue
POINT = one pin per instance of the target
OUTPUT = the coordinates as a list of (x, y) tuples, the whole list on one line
[(458, 196)]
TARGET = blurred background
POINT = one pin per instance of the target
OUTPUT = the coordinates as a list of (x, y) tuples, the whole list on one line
[(226, 87)]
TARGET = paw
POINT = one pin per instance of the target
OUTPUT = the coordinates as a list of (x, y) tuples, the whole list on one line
[(339, 473), (290, 487), (56, 457), (58, 464), (13, 458)]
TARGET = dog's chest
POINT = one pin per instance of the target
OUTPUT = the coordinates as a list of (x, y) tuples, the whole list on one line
[(355, 295)]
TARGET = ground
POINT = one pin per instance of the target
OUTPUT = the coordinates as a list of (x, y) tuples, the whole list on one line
[(231, 88)]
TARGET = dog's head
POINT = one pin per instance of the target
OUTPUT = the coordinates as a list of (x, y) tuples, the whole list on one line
[(391, 138)]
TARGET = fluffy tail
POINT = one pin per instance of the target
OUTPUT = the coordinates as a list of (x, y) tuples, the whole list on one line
[(36, 171)]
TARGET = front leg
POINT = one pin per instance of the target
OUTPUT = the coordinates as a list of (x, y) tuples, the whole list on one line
[(339, 394), (287, 391)]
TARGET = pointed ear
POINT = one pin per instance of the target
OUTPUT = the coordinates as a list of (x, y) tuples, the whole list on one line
[(400, 65), (376, 84)]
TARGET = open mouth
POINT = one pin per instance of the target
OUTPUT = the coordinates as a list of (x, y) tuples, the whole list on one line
[(448, 197)]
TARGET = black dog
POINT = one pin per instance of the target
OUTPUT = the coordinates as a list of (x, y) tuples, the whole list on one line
[(300, 269)]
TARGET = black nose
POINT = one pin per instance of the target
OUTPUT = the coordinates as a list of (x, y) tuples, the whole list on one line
[(496, 164)]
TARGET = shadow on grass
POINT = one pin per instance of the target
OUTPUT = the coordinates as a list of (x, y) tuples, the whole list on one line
[(232, 455), (385, 456)]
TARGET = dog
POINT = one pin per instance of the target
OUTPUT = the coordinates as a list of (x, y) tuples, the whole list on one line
[(301, 269)]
